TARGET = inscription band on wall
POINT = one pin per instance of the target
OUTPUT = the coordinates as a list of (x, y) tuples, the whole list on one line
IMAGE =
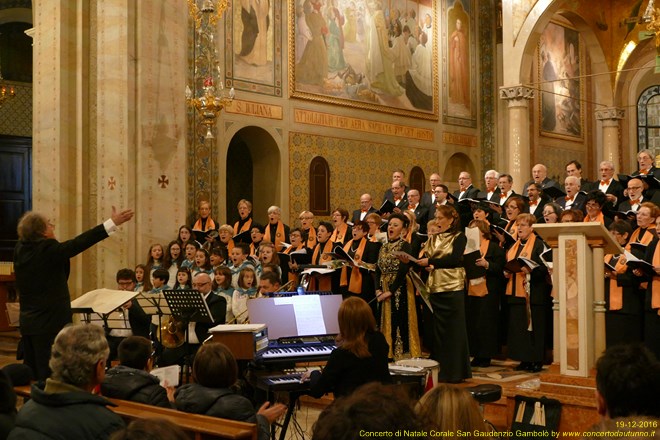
[(249, 108), (464, 140), (365, 125)]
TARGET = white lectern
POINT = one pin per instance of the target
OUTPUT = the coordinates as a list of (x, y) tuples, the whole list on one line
[(578, 271)]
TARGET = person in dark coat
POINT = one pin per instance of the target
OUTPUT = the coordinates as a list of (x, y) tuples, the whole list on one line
[(215, 372), (130, 380), (483, 300), (361, 356), (65, 408), (42, 270)]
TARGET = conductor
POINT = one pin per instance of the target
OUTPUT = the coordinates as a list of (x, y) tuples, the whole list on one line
[(42, 270)]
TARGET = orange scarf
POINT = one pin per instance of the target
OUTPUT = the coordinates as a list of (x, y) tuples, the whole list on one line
[(616, 291), (512, 228), (480, 288), (210, 224), (327, 248), (600, 219), (279, 236), (646, 238), (311, 238), (253, 251), (339, 234), (230, 245), (517, 279), (292, 275), (321, 282), (355, 285), (655, 286), (246, 227)]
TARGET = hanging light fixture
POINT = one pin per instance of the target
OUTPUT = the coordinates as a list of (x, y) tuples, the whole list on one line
[(6, 92), (207, 94)]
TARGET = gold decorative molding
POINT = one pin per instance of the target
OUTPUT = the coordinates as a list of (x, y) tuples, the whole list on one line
[(250, 108), (364, 125)]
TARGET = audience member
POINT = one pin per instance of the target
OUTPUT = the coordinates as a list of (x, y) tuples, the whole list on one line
[(65, 406), (372, 408), (448, 408), (150, 429), (130, 380), (628, 382), (215, 372)]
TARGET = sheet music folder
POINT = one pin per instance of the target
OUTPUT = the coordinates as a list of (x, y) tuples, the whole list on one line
[(107, 304), (188, 305), (101, 301)]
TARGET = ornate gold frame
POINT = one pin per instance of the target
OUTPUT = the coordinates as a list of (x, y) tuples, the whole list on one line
[(329, 99)]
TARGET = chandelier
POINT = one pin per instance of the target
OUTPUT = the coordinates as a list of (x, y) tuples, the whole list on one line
[(208, 94), (6, 93)]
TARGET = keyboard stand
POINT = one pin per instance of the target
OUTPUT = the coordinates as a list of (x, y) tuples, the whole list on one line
[(294, 394)]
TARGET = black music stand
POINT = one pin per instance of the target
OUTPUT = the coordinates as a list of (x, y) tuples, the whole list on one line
[(154, 304), (188, 306)]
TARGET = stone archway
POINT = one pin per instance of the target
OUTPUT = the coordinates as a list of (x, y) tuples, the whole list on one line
[(253, 172)]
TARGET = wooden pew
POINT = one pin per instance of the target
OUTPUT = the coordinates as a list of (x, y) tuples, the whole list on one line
[(196, 426)]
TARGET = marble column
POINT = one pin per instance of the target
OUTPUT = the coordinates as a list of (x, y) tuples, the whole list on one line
[(59, 156), (517, 141), (609, 118)]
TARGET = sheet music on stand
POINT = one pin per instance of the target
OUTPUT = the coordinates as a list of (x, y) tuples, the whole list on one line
[(154, 304), (188, 305), (107, 304)]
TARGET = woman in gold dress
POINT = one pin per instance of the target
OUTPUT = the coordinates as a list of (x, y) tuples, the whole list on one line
[(398, 317), (444, 255)]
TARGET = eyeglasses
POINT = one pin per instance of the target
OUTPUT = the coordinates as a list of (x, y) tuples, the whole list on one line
[(200, 284), (124, 283), (306, 218)]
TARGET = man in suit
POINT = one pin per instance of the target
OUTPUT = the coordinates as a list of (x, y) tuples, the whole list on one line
[(574, 168), (465, 188), (138, 320), (399, 197), (428, 198), (505, 184), (441, 193), (198, 331), (421, 212), (646, 160), (613, 189), (398, 175), (42, 270), (536, 203), (574, 198), (465, 191), (366, 208), (491, 192), (635, 196), (540, 175)]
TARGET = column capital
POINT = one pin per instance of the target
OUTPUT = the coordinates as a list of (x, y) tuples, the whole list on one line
[(516, 92), (517, 96), (610, 113)]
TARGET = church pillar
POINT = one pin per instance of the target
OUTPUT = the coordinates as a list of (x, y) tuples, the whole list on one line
[(518, 144), (609, 118), (59, 153)]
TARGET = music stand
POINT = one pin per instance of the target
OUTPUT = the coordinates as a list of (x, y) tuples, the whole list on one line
[(188, 306), (104, 303)]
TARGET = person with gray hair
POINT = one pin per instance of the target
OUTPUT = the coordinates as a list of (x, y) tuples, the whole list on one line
[(65, 407), (42, 270), (575, 199), (491, 192), (276, 231), (646, 162)]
